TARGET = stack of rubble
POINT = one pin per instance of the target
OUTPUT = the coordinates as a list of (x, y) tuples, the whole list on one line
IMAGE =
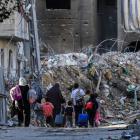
[(66, 76), (120, 73), (115, 74)]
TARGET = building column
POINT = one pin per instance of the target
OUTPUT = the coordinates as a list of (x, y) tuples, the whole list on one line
[(120, 34)]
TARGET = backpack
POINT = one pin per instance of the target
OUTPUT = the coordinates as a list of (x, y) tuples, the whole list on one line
[(15, 93), (47, 109), (89, 106), (80, 99)]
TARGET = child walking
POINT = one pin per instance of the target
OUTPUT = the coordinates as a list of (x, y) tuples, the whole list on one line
[(69, 113), (36, 110), (39, 117)]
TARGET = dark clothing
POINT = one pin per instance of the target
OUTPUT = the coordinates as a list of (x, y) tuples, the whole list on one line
[(24, 107), (24, 102), (50, 121), (68, 115), (91, 116), (92, 113), (69, 121), (78, 110), (69, 110), (55, 97)]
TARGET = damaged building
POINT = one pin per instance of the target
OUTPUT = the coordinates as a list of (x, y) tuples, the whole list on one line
[(128, 24), (17, 51), (17, 43), (66, 25), (13, 31), (71, 25), (11, 44)]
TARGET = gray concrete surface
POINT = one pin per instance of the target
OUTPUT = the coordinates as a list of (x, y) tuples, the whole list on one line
[(59, 133)]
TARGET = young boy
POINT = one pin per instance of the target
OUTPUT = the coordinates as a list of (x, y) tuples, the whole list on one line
[(36, 110), (69, 113), (48, 108)]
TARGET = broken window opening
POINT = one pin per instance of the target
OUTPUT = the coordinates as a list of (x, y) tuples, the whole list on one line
[(102, 4), (99, 6), (10, 65), (58, 4), (110, 2), (2, 57), (132, 47), (18, 68)]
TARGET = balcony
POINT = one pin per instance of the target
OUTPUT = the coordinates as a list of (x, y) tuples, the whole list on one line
[(16, 27)]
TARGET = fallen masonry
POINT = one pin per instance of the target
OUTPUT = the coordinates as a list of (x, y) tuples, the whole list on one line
[(116, 78)]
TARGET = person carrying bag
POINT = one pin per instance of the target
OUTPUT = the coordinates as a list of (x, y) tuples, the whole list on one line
[(77, 97)]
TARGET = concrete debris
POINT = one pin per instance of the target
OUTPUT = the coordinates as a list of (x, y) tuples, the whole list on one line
[(118, 122), (126, 135), (78, 59), (115, 75)]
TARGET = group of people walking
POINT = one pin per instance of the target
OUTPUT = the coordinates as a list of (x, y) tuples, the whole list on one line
[(52, 108)]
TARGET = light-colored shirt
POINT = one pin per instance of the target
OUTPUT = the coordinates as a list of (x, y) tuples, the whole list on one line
[(77, 94)]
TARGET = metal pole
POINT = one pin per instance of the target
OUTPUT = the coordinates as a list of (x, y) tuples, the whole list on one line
[(135, 97), (36, 35)]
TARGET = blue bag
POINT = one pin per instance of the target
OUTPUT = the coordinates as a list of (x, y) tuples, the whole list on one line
[(83, 120), (59, 119)]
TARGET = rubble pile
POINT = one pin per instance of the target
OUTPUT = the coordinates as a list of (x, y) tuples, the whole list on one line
[(120, 77), (66, 76), (114, 76)]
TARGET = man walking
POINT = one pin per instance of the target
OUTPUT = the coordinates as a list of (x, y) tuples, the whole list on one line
[(77, 97)]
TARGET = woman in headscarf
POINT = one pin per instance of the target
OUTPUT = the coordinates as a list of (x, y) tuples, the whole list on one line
[(19, 96), (55, 97)]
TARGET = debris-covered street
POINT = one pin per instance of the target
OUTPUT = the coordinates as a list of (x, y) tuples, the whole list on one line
[(67, 134)]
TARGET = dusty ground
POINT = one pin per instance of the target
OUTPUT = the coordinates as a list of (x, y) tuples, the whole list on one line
[(60, 133)]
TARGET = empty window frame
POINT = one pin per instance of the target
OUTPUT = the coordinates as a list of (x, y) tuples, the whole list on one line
[(2, 57), (58, 4), (100, 4), (110, 2), (10, 60)]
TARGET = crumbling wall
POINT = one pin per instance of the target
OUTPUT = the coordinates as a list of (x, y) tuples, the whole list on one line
[(122, 34), (68, 29)]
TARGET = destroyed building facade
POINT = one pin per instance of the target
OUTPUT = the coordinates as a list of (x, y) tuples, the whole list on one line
[(128, 23), (12, 33), (66, 26), (71, 25), (17, 50), (17, 42)]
